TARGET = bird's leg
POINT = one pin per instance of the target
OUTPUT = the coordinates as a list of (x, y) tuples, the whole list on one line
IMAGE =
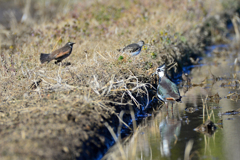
[(167, 107), (58, 61), (172, 108)]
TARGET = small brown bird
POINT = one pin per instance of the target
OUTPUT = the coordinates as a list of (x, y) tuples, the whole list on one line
[(58, 54)]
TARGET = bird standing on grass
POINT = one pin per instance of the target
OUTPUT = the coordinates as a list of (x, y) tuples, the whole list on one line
[(58, 54), (133, 49), (167, 90)]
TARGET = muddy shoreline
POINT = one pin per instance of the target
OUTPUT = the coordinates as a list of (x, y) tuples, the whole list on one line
[(65, 121)]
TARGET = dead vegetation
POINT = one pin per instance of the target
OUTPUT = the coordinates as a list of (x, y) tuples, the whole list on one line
[(50, 111)]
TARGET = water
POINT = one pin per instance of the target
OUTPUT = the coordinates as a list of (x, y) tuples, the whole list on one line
[(170, 134)]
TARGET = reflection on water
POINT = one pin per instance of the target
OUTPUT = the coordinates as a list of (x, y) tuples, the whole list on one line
[(169, 131), (169, 135)]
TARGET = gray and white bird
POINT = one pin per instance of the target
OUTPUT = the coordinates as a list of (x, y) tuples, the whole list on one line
[(133, 49), (167, 90)]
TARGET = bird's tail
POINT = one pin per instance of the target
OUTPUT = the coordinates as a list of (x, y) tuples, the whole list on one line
[(44, 58)]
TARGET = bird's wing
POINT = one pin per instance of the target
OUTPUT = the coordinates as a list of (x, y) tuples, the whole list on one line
[(169, 89), (61, 54), (131, 48)]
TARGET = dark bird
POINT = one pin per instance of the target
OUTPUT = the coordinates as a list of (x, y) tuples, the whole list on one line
[(133, 49), (58, 54), (167, 90)]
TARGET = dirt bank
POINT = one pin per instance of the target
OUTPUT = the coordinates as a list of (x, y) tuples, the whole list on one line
[(58, 112)]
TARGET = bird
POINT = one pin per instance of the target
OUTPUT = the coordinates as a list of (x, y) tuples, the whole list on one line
[(133, 49), (58, 54), (167, 90)]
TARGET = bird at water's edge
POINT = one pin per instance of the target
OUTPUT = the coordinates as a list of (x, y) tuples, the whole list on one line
[(133, 49), (58, 54), (167, 90)]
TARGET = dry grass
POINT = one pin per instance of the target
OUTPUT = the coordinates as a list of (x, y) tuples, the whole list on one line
[(70, 101)]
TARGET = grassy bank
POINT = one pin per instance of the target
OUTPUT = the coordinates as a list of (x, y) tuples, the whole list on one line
[(55, 112)]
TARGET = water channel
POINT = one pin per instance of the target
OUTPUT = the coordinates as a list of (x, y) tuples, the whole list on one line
[(172, 135)]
